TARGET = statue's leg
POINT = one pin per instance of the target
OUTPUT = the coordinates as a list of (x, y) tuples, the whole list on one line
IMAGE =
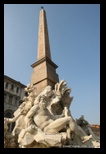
[(95, 137), (68, 130), (56, 125), (82, 135)]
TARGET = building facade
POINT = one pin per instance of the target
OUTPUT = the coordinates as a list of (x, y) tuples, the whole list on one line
[(13, 96)]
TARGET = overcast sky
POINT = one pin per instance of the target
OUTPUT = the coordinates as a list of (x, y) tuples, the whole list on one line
[(74, 34)]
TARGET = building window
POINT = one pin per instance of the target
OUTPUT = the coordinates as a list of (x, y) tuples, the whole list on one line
[(26, 94), (17, 90), (6, 85), (10, 99), (12, 87), (8, 114)]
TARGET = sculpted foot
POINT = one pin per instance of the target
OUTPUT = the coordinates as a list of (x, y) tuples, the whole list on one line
[(86, 138)]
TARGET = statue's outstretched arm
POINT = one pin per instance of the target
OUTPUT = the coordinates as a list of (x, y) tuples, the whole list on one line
[(11, 120)]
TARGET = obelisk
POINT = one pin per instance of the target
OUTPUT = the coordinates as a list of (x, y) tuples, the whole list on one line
[(44, 69)]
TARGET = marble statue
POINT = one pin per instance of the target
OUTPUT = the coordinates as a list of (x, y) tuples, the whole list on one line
[(45, 120), (87, 128)]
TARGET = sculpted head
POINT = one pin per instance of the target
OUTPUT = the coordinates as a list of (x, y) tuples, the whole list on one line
[(48, 92), (82, 117), (42, 102)]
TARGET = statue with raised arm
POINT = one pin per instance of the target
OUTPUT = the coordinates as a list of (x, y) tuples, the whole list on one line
[(46, 120), (24, 108), (50, 123)]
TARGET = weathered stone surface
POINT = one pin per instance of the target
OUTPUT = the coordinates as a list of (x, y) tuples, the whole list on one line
[(39, 124), (44, 70)]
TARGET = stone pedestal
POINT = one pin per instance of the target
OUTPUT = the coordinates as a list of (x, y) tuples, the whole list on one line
[(44, 74)]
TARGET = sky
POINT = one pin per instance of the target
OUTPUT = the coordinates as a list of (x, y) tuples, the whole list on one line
[(74, 35)]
